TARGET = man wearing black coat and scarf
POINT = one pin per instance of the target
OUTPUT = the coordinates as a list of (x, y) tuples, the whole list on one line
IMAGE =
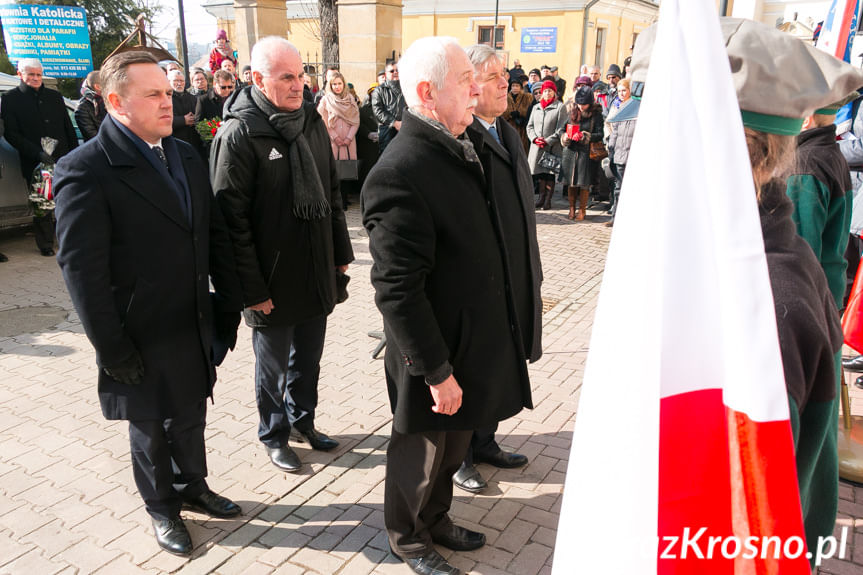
[(455, 359), (274, 175)]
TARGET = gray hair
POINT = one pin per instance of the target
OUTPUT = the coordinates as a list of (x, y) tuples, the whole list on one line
[(264, 50), (174, 73), (425, 61), (25, 63), (479, 54)]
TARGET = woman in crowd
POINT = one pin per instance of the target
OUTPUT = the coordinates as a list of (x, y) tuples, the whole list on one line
[(547, 121), (619, 140), (341, 115), (518, 104), (586, 121), (221, 51)]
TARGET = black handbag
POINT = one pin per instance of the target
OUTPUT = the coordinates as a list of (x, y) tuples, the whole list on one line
[(549, 162), (347, 169)]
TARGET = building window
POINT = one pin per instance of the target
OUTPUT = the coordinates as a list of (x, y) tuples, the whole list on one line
[(485, 36), (599, 58)]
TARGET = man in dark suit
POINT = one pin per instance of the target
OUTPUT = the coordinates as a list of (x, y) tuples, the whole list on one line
[(31, 112), (509, 185), (184, 112), (450, 288), (139, 237)]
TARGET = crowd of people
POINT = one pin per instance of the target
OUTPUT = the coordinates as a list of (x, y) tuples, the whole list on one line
[(150, 215)]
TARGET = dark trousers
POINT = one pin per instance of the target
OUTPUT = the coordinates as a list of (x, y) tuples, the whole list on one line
[(43, 229), (287, 367), (169, 458), (385, 136), (482, 442), (418, 487)]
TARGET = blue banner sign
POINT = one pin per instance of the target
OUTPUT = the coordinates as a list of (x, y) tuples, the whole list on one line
[(57, 35), (538, 40)]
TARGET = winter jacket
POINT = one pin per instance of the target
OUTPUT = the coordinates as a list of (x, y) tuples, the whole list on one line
[(279, 256), (89, 114), (820, 189), (548, 123), (388, 103), (810, 341), (620, 138)]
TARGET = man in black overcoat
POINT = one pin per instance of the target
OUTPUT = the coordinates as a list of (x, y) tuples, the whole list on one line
[(455, 358), (509, 186), (184, 113), (30, 112), (139, 237)]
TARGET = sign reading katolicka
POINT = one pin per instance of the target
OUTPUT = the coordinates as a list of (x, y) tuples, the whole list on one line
[(57, 35)]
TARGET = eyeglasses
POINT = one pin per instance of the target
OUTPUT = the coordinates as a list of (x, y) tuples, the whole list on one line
[(226, 86), (391, 70)]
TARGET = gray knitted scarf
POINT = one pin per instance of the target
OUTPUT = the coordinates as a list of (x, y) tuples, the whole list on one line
[(310, 202)]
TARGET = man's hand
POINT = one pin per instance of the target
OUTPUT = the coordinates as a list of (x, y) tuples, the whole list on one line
[(342, 269), (130, 371), (397, 125), (189, 119), (264, 306), (446, 396)]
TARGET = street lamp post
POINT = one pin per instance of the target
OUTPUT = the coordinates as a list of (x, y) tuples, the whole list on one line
[(184, 50), (494, 30)]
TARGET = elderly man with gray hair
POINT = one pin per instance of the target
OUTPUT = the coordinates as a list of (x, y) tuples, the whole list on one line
[(454, 359), (274, 175), (31, 112)]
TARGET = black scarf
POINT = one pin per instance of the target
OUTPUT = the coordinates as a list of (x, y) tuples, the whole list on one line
[(310, 202)]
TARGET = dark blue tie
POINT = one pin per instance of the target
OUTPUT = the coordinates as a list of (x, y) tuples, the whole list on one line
[(493, 131)]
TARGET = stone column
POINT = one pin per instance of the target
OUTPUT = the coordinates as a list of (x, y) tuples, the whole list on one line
[(255, 19), (369, 32)]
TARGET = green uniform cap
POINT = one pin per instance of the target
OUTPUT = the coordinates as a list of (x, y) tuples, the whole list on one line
[(780, 80)]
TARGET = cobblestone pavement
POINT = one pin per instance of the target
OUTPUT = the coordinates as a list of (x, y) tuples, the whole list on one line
[(67, 498)]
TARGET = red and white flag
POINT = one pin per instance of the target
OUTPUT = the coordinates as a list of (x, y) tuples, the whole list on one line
[(682, 460)]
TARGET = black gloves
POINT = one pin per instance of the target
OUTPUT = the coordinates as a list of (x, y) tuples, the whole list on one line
[(225, 324), (129, 372)]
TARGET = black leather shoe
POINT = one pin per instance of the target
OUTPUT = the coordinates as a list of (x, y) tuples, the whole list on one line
[(3, 258), (172, 536), (854, 364), (460, 539), (284, 458), (316, 439), (212, 504), (469, 479), (431, 563), (47, 253), (502, 459)]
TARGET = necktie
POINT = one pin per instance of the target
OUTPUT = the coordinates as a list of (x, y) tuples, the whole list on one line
[(493, 131), (160, 153)]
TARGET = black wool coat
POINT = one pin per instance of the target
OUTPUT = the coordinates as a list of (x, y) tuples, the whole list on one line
[(28, 116), (137, 270), (279, 256), (185, 103), (440, 277), (509, 186)]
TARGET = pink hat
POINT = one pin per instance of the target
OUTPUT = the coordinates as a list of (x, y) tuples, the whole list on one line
[(221, 35)]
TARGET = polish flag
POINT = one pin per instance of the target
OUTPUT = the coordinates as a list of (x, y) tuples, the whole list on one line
[(683, 431)]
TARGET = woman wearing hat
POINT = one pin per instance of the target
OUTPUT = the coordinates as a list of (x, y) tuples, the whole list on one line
[(518, 104), (546, 123), (585, 117), (221, 51)]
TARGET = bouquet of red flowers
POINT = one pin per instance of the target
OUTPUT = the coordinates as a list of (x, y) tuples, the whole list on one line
[(207, 128), (42, 181)]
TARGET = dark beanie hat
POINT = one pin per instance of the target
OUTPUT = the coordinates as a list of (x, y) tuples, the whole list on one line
[(584, 95), (613, 70), (549, 85), (534, 71)]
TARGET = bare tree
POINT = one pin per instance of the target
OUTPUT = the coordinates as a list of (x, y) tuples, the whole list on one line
[(329, 18)]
